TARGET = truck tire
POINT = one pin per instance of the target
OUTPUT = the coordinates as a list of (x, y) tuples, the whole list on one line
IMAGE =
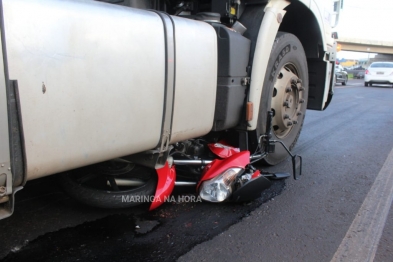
[(285, 92), (93, 185)]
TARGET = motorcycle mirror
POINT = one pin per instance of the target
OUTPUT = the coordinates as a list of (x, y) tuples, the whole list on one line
[(297, 162)]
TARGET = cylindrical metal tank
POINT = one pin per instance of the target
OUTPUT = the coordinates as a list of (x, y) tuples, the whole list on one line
[(91, 80)]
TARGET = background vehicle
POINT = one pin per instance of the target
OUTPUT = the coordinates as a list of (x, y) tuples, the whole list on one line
[(87, 82), (358, 68), (379, 73), (341, 76), (359, 75)]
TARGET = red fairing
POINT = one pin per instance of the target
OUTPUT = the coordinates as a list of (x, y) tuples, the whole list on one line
[(217, 167), (223, 150), (256, 174), (165, 185)]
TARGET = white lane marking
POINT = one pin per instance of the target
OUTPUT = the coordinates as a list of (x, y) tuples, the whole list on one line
[(362, 238)]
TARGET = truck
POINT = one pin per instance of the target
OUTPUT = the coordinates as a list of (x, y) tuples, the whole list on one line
[(128, 98)]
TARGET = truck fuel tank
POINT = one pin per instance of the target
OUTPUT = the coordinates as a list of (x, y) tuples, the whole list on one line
[(93, 80)]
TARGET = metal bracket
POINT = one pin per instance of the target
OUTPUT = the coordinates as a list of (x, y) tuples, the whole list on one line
[(246, 81), (151, 158), (165, 141), (7, 191), (269, 147), (7, 207), (333, 53), (5, 179), (5, 156)]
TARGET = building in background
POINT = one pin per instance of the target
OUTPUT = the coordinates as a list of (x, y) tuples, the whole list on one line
[(348, 62)]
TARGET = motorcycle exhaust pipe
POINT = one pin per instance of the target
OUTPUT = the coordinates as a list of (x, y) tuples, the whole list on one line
[(138, 182), (192, 162), (128, 182)]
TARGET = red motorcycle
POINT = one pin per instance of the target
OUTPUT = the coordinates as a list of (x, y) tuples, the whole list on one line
[(218, 171)]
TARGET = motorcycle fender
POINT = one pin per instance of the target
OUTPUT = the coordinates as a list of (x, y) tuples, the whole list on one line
[(165, 185)]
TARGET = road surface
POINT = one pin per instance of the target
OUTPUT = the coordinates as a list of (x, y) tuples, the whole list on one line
[(338, 210)]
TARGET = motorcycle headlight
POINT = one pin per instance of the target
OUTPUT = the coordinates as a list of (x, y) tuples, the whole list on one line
[(219, 188)]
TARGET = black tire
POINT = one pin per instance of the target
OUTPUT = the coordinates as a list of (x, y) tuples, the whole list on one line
[(365, 83), (89, 185), (287, 58), (345, 81)]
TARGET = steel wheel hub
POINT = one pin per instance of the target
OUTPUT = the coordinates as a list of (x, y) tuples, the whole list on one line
[(287, 100)]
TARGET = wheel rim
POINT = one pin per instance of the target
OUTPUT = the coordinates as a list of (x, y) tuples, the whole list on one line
[(115, 176), (287, 100)]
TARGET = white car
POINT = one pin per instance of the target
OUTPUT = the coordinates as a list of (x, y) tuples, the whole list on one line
[(379, 73)]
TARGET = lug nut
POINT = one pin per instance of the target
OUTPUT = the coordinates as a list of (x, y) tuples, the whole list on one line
[(301, 101), (289, 123), (295, 122), (299, 81), (293, 82), (299, 113), (301, 89), (286, 104), (286, 116), (288, 89)]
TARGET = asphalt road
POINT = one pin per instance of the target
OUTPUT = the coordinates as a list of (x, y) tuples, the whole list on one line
[(344, 195)]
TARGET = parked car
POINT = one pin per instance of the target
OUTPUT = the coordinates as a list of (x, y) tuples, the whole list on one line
[(379, 73), (340, 75), (358, 75), (358, 68)]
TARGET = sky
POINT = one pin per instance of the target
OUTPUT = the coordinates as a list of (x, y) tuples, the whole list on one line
[(365, 19)]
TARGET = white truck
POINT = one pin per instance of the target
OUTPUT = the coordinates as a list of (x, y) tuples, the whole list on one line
[(109, 93)]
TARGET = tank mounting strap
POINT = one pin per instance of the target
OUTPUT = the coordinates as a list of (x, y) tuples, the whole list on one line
[(170, 58)]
